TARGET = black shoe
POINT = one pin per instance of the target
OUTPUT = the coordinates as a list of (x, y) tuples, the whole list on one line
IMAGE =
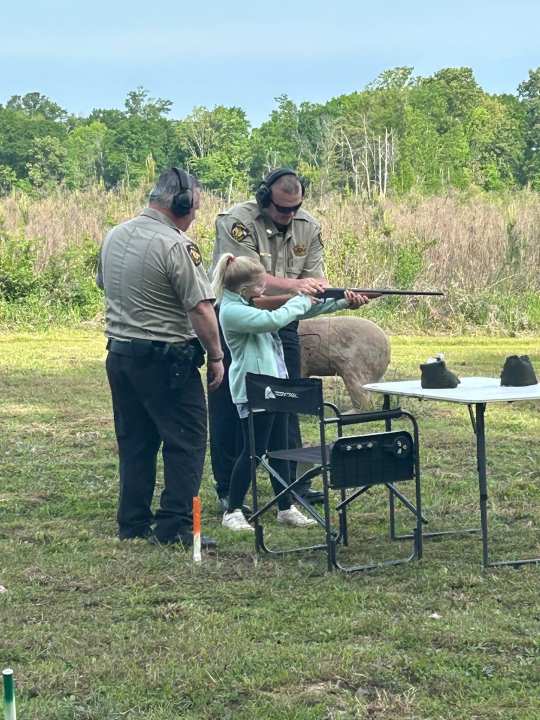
[(224, 505), (185, 539), (134, 534), (314, 497), (518, 372), (436, 375)]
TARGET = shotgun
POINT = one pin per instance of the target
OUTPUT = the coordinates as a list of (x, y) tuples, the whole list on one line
[(339, 293)]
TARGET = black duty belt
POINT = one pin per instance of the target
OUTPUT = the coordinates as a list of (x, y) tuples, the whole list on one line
[(140, 348), (186, 354)]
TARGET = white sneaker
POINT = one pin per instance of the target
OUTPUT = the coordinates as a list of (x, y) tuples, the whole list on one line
[(236, 521), (294, 518)]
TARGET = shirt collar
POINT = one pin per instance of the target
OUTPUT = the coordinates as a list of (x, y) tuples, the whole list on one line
[(160, 217), (233, 297), (272, 231)]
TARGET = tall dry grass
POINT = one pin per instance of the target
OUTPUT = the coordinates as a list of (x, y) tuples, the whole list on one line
[(469, 246), (66, 218), (469, 243)]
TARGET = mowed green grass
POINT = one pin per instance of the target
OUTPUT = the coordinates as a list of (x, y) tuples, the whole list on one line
[(96, 629)]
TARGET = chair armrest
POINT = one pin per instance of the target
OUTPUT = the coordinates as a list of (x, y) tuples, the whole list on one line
[(364, 417)]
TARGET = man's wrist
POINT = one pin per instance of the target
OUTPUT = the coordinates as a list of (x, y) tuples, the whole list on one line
[(217, 358), (277, 286)]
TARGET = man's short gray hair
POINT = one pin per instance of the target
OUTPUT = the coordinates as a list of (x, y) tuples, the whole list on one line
[(289, 184), (167, 186)]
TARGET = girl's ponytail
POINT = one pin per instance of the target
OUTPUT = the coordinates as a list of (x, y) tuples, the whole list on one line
[(218, 278)]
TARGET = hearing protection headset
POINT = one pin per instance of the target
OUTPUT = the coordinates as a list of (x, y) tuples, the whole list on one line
[(182, 201), (263, 194)]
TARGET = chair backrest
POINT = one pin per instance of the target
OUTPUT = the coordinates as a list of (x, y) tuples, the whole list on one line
[(303, 396), (385, 457)]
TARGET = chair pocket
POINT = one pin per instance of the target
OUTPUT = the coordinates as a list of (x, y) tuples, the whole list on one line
[(372, 459)]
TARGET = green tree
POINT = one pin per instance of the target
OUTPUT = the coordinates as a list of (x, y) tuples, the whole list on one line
[(111, 117), (48, 165), (139, 104), (398, 78), (529, 93), (18, 131), (84, 155), (214, 144), (318, 151), (135, 137), (434, 146), (34, 104), (371, 124), (447, 97), (419, 161), (277, 141), (496, 138), (8, 178)]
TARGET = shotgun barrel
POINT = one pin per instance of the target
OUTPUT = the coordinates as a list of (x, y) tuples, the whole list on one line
[(339, 293)]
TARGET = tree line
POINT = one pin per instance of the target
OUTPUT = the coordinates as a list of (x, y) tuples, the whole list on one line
[(402, 132)]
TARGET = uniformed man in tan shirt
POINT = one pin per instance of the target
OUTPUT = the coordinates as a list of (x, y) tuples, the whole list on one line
[(159, 320), (287, 240)]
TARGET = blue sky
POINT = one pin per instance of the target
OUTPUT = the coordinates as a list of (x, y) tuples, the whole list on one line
[(246, 53)]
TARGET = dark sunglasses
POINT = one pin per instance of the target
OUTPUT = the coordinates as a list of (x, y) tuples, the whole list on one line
[(284, 210)]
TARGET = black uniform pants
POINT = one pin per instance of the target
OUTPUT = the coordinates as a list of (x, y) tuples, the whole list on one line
[(225, 428), (149, 413), (268, 428), (291, 353)]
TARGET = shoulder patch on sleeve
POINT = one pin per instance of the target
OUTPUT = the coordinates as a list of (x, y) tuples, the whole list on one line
[(194, 253), (239, 231)]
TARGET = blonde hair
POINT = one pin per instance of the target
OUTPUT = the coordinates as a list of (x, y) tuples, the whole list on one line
[(235, 274)]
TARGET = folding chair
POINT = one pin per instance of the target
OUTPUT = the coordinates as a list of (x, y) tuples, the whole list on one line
[(351, 465)]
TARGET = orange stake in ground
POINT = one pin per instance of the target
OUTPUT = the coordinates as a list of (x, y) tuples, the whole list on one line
[(197, 529)]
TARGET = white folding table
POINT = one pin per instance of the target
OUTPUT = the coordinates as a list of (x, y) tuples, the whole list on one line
[(477, 392)]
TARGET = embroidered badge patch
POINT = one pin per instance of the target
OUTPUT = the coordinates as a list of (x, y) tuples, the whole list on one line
[(239, 232), (299, 250), (194, 253)]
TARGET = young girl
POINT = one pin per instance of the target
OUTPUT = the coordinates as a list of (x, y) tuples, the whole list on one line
[(252, 337)]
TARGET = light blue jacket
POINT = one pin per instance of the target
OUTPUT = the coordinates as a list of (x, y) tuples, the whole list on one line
[(247, 331)]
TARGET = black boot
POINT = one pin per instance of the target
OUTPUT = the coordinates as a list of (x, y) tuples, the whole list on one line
[(436, 375), (518, 371)]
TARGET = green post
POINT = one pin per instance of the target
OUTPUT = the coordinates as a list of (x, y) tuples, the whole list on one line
[(10, 713)]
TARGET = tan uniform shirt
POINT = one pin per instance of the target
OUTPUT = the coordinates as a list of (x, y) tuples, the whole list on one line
[(295, 253), (152, 276)]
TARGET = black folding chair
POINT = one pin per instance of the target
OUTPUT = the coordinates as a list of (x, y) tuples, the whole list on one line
[(351, 465)]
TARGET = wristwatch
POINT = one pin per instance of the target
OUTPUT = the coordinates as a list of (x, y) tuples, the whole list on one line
[(216, 359)]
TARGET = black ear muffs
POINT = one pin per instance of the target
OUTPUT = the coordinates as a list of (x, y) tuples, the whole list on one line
[(437, 375), (263, 194), (182, 201), (518, 371)]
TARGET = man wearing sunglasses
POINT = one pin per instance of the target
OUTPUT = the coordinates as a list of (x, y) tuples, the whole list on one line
[(276, 230)]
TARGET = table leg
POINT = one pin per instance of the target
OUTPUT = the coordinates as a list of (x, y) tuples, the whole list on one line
[(480, 409), (391, 500), (482, 482)]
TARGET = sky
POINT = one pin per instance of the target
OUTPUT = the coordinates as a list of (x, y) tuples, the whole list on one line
[(245, 54)]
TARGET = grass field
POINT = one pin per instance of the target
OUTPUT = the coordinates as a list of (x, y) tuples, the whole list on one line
[(96, 629)]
